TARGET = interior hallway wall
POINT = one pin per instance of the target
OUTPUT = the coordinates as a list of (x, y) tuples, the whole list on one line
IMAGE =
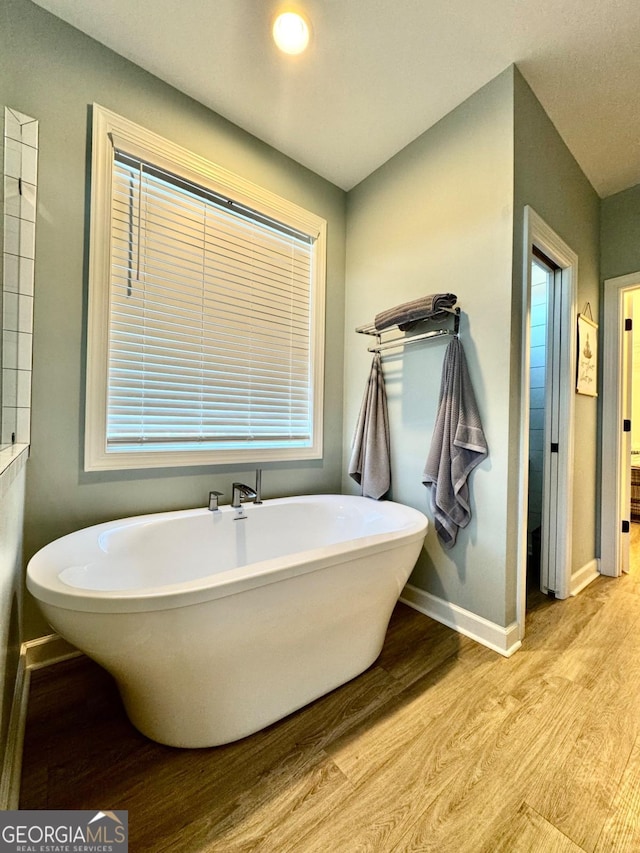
[(620, 234), (438, 217), (67, 72)]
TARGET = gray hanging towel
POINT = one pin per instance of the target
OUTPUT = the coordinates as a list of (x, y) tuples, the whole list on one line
[(457, 446), (370, 464)]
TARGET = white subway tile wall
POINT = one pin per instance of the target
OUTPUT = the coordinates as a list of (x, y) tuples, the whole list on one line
[(19, 154), (538, 352)]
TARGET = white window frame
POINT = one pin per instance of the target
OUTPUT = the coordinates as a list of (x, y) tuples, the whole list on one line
[(109, 130)]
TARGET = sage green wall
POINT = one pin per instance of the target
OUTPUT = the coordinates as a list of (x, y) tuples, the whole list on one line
[(443, 214), (620, 234), (53, 72), (438, 217), (548, 179)]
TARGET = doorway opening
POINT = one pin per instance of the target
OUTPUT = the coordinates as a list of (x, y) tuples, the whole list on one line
[(631, 379), (544, 338), (619, 435), (547, 406)]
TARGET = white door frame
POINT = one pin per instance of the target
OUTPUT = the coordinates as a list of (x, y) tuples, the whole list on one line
[(612, 350), (538, 233)]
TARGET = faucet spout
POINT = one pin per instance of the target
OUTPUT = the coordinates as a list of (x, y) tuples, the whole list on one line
[(241, 493)]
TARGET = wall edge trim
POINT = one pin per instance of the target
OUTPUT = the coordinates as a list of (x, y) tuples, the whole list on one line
[(34, 654), (12, 759), (505, 641)]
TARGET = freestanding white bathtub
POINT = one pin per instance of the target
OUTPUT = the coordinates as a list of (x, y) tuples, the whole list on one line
[(214, 627)]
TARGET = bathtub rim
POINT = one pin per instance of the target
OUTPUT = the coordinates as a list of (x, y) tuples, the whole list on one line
[(50, 590)]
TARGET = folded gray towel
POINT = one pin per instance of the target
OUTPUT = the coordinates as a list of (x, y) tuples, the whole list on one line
[(370, 464), (457, 446), (425, 308)]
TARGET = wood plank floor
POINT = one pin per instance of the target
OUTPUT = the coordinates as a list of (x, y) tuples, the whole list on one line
[(441, 746)]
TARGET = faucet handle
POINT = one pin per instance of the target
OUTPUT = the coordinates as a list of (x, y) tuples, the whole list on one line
[(213, 500)]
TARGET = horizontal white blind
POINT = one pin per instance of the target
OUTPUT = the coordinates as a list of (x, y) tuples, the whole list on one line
[(210, 320)]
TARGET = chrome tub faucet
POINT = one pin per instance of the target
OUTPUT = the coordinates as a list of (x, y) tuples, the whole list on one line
[(241, 493)]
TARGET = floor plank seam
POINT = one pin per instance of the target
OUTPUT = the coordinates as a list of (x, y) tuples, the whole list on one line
[(557, 828)]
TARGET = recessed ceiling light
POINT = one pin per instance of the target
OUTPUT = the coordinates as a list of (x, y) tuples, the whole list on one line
[(291, 33)]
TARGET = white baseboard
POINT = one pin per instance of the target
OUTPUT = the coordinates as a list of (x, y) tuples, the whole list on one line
[(44, 651), (34, 654), (505, 641), (583, 577)]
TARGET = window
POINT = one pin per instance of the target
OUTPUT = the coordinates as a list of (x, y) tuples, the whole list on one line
[(206, 311)]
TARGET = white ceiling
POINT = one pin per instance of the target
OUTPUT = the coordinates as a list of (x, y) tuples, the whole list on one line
[(380, 72)]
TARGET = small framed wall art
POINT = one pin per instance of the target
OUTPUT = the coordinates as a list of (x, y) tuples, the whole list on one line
[(587, 381)]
